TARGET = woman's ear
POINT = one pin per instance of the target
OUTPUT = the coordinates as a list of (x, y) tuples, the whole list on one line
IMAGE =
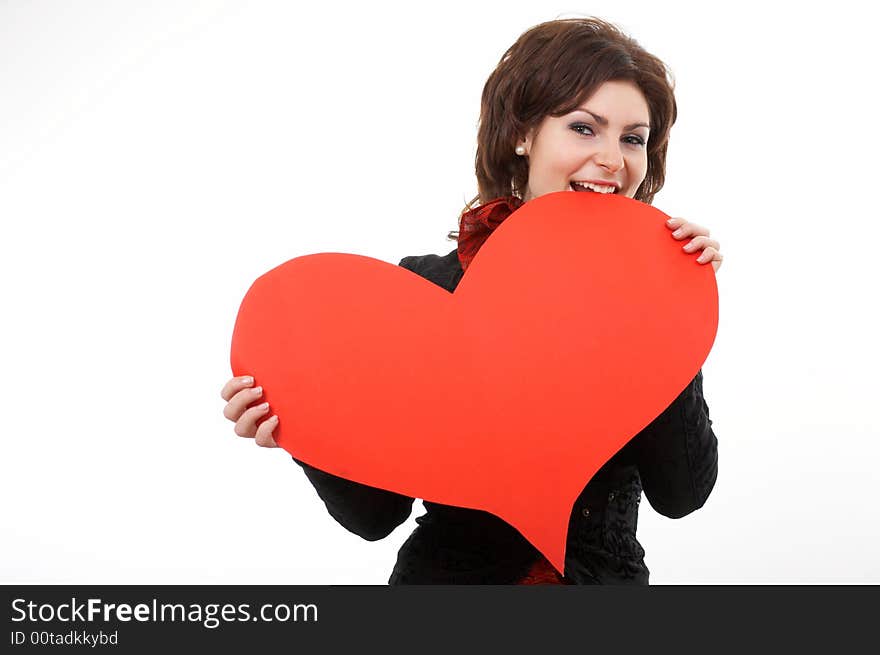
[(526, 142)]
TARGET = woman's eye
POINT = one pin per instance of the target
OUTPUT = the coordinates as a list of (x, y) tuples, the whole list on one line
[(585, 130)]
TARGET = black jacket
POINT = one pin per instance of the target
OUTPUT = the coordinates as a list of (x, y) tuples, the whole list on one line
[(674, 460)]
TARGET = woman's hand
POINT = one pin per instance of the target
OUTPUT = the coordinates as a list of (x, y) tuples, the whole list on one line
[(700, 241), (240, 394)]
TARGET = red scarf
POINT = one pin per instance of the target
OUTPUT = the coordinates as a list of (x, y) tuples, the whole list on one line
[(475, 226)]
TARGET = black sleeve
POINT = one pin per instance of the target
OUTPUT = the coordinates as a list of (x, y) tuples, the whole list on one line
[(366, 511), (678, 454)]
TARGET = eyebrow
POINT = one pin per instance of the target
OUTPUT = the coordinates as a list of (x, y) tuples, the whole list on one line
[(604, 121)]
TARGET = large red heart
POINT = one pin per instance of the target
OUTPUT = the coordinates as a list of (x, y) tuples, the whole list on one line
[(576, 324)]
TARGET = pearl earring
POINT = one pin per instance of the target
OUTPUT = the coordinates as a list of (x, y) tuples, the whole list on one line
[(520, 150)]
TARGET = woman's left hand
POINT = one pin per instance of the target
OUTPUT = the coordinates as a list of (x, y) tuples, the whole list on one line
[(700, 241)]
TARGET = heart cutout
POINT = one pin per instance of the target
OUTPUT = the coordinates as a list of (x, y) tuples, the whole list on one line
[(577, 323)]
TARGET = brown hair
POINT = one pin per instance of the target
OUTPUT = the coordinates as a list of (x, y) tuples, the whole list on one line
[(550, 71)]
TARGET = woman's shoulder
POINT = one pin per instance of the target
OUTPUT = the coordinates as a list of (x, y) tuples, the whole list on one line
[(419, 263), (444, 270)]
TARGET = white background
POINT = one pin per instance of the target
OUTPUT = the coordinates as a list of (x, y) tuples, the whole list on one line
[(155, 158)]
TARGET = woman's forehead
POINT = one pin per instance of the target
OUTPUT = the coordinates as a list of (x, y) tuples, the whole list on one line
[(617, 101)]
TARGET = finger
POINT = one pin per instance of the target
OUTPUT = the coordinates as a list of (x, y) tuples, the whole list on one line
[(264, 436), (240, 402), (246, 426), (700, 242), (716, 263), (689, 230), (708, 255), (235, 385)]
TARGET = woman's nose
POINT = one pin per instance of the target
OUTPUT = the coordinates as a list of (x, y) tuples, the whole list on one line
[(610, 158)]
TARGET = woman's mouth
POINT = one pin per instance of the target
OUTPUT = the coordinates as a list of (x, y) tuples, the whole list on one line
[(594, 188)]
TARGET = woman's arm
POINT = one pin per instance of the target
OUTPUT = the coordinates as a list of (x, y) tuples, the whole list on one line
[(678, 454), (366, 511)]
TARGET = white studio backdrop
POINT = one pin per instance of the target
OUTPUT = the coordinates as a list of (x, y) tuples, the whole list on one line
[(155, 158)]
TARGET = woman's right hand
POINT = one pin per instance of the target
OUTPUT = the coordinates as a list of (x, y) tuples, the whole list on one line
[(240, 395)]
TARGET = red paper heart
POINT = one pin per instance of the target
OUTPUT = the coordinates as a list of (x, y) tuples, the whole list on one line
[(577, 323)]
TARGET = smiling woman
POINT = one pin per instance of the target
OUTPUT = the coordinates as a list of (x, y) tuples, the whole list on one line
[(573, 105), (586, 77), (585, 151)]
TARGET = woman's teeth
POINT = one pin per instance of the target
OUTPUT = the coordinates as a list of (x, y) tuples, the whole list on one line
[(589, 186)]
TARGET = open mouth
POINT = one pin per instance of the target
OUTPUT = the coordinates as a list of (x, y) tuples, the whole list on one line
[(592, 188)]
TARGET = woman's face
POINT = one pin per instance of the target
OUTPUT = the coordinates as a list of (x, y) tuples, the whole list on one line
[(603, 141)]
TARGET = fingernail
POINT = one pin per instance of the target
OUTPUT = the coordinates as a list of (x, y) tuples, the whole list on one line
[(257, 391), (677, 233), (670, 221), (263, 406), (247, 380), (688, 247), (274, 419)]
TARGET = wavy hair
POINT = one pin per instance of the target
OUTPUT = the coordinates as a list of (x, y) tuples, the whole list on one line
[(551, 70)]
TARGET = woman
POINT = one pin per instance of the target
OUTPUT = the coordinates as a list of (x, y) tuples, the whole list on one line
[(574, 105)]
